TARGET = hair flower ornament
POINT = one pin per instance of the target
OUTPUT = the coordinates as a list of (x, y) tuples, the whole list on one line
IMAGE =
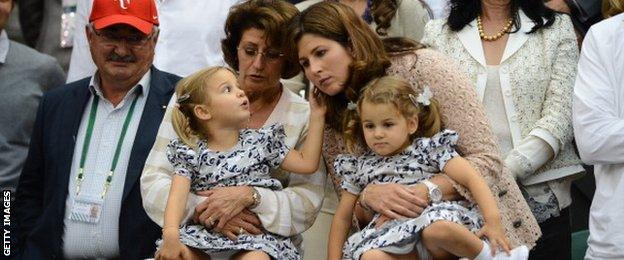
[(183, 98), (423, 98), (351, 105)]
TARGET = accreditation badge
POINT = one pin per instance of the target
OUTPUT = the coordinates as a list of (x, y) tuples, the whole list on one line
[(86, 209)]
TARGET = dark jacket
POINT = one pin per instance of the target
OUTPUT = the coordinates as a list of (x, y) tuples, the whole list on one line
[(43, 186)]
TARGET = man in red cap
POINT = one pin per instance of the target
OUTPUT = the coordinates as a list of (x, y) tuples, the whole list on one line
[(79, 194)]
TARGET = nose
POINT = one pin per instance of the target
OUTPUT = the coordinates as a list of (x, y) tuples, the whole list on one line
[(259, 61), (122, 48), (378, 133), (240, 93), (315, 66)]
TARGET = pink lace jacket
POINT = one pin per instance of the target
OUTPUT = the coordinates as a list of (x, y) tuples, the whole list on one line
[(461, 112)]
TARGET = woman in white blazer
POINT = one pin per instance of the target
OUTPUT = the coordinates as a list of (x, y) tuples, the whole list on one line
[(522, 58)]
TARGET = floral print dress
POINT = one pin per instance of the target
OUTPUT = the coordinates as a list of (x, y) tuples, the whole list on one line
[(419, 161), (247, 164)]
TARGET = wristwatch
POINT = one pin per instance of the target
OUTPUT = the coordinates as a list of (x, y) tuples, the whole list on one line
[(255, 195), (435, 194)]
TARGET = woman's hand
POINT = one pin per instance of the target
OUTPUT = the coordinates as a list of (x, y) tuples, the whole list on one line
[(246, 221), (222, 204), (393, 200), (317, 99), (172, 248), (495, 233)]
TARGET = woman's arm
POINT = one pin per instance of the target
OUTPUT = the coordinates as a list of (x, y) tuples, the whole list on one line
[(341, 223), (555, 125)]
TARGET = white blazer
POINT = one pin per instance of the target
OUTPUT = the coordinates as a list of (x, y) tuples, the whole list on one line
[(537, 73)]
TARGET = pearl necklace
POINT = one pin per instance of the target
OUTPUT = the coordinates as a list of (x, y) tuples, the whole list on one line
[(506, 29)]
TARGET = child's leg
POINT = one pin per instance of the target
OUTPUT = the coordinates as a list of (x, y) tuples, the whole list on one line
[(251, 255), (377, 254), (197, 254), (444, 237)]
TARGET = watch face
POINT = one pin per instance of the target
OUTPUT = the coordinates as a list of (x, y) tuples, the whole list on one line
[(435, 195)]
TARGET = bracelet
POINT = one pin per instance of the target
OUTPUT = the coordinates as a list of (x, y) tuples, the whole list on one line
[(361, 202), (255, 195), (166, 227)]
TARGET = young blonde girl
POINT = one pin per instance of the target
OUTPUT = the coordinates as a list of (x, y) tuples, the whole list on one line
[(214, 150), (403, 131)]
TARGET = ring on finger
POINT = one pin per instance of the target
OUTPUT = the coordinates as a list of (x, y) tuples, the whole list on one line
[(210, 221), (241, 231)]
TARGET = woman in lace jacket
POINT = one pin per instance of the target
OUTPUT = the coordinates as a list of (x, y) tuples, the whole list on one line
[(522, 58), (339, 53)]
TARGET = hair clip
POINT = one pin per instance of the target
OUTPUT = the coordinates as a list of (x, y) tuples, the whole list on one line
[(423, 98), (183, 98), (351, 105)]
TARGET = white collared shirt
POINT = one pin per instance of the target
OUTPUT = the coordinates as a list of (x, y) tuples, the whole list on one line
[(101, 240), (598, 119), (189, 38)]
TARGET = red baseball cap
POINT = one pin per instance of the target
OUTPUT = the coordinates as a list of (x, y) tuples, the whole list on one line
[(140, 14)]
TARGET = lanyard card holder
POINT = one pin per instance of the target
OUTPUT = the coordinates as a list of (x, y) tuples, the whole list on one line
[(87, 209)]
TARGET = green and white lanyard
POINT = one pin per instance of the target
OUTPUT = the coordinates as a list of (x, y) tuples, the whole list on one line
[(87, 140)]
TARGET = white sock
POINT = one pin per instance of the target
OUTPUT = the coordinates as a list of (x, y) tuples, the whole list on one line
[(518, 253), (485, 253)]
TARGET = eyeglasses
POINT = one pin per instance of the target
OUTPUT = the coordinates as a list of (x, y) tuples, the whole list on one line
[(133, 40), (270, 54)]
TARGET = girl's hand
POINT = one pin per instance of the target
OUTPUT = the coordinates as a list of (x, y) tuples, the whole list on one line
[(173, 249), (221, 205), (317, 99), (393, 200), (495, 233)]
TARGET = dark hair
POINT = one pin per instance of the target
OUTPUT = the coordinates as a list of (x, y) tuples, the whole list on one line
[(270, 16), (465, 11), (383, 11), (339, 23)]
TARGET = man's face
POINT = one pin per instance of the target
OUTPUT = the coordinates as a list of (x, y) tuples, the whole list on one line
[(121, 52), (5, 10)]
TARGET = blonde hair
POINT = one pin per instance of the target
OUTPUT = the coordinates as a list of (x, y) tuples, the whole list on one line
[(395, 91), (191, 91), (612, 7)]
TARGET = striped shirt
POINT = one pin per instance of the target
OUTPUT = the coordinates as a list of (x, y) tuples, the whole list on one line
[(286, 212), (101, 240)]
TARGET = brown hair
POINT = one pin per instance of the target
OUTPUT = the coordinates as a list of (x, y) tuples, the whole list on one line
[(383, 11), (612, 7), (270, 16), (398, 92), (338, 22), (191, 91)]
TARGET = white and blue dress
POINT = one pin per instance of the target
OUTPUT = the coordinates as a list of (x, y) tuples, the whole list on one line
[(419, 161), (247, 164)]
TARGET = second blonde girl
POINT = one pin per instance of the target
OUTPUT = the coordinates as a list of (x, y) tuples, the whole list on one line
[(408, 146)]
